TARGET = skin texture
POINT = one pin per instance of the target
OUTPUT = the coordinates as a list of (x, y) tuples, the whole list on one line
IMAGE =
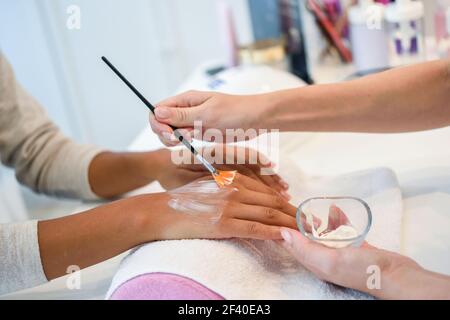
[(254, 211), (406, 99)]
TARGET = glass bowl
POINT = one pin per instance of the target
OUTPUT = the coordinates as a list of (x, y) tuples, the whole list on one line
[(335, 222)]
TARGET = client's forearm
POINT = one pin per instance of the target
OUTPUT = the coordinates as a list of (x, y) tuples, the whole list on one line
[(112, 174), (416, 284), (405, 99), (93, 236)]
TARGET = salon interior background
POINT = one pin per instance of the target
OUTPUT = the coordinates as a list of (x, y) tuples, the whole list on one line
[(157, 43)]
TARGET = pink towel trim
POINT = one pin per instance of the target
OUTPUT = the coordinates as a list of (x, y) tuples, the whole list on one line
[(163, 286)]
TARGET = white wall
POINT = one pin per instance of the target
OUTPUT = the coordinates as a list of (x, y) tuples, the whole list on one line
[(24, 40)]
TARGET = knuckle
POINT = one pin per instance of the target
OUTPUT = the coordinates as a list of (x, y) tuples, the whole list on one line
[(235, 196), (278, 202), (270, 213), (221, 228), (181, 114), (272, 191), (252, 228), (227, 211)]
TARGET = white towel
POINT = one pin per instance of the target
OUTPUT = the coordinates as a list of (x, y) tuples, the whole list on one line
[(244, 269)]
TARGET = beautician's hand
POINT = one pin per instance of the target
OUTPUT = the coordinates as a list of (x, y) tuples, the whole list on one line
[(401, 277), (214, 110), (247, 162), (254, 211)]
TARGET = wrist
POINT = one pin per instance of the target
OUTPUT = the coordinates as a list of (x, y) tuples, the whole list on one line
[(272, 110), (158, 160), (148, 165), (395, 284), (412, 282), (293, 110), (144, 218)]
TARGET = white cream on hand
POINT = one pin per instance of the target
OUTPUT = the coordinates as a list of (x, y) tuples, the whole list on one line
[(203, 198)]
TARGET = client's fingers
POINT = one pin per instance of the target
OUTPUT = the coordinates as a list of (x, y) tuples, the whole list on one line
[(258, 163), (242, 169), (271, 201), (265, 215), (275, 182), (236, 228), (281, 181), (254, 185), (268, 178)]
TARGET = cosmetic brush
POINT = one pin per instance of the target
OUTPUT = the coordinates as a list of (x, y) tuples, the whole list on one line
[(221, 177)]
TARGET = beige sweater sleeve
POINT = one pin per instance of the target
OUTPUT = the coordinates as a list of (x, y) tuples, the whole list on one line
[(43, 158)]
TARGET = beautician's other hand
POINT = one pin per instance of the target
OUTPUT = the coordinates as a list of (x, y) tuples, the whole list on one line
[(214, 110), (401, 277), (247, 162), (254, 211)]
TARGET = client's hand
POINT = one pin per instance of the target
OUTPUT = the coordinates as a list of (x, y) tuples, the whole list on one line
[(199, 210), (246, 161), (248, 209), (358, 268)]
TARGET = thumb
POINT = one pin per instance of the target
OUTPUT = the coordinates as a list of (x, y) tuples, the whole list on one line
[(178, 117), (308, 253), (294, 242)]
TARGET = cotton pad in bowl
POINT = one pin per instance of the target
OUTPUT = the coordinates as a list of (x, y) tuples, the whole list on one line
[(335, 222)]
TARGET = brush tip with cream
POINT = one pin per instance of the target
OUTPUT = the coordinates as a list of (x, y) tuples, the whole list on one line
[(224, 178)]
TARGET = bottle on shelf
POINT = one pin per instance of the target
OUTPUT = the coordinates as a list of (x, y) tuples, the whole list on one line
[(405, 20)]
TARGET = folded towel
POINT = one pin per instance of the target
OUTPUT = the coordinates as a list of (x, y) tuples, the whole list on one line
[(246, 269)]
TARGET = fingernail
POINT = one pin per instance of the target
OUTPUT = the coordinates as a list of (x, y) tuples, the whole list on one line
[(162, 113), (286, 195), (266, 163), (169, 137), (284, 184), (286, 236)]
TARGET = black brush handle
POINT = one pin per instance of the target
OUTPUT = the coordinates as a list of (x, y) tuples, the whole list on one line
[(147, 103), (125, 80)]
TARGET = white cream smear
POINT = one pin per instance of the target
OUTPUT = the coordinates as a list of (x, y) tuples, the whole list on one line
[(203, 198), (343, 232)]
